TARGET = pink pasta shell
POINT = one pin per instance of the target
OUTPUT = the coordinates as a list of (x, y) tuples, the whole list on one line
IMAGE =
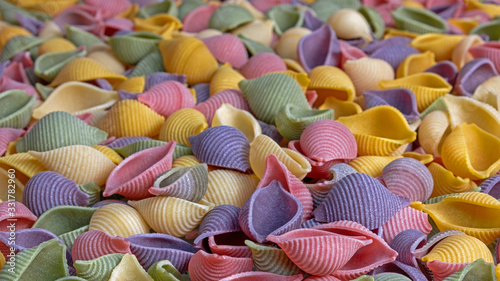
[(8, 135), (489, 50), (24, 217), (167, 97), (197, 20), (319, 169), (406, 218), (227, 48), (135, 175), (261, 276), (265, 5), (95, 243), (83, 17), (441, 269), (261, 64), (109, 8), (233, 97), (212, 267)]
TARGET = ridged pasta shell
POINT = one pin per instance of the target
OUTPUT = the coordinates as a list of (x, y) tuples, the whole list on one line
[(432, 130), (131, 118), (183, 124), (155, 78), (258, 30), (134, 175), (461, 55), (272, 260), (99, 268), (162, 24), (26, 166), (188, 56), (212, 267), (47, 66), (62, 220), (445, 69), (130, 267), (393, 54), (415, 63), (225, 78), (118, 220), (227, 48), (261, 64), (408, 177), (198, 19), (372, 138), (405, 219), (292, 121), (227, 115), (427, 87), (366, 73), (470, 152), (490, 186), (18, 44), (400, 98), (266, 95), (486, 92), (489, 29), (149, 64), (340, 108), (478, 269), (321, 47), (442, 45), (210, 106), (229, 187), (285, 17), (132, 47), (80, 37), (418, 20), (330, 81), (163, 270), (350, 24), (473, 74), (59, 129), (18, 107), (288, 43), (79, 163), (167, 97), (95, 243), (221, 219), (254, 47), (446, 183), (222, 146), (374, 19), (10, 31), (228, 17), (183, 216), (490, 50), (189, 183)]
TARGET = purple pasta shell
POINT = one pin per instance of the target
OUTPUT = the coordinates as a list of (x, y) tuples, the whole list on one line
[(152, 247), (391, 41), (362, 199), (445, 69), (321, 47), (124, 95), (394, 54), (46, 190), (311, 22), (491, 186), (31, 24), (400, 98), (405, 244), (221, 219), (259, 216), (398, 267), (202, 92), (473, 74), (270, 131), (222, 146), (121, 142), (158, 77), (446, 11), (310, 223)]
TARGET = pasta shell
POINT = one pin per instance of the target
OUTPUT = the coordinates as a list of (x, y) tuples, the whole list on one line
[(133, 176), (366, 73), (490, 186), (447, 183), (198, 19), (473, 74), (321, 47), (189, 183), (188, 56), (225, 78), (118, 220), (378, 141), (461, 55), (103, 55), (47, 66), (62, 220), (415, 63), (85, 164), (272, 260), (10, 31), (22, 216), (393, 54), (418, 20), (95, 243), (266, 95), (163, 270), (212, 147), (427, 87), (440, 44), (340, 108), (432, 130), (350, 24), (261, 64), (227, 115), (229, 187), (408, 177), (210, 106), (288, 43), (183, 216), (400, 98), (480, 163), (445, 69), (477, 269), (212, 267), (167, 97), (254, 47), (292, 121), (18, 44), (374, 19), (149, 64), (227, 48), (130, 267), (258, 30), (406, 219), (18, 107), (358, 187), (489, 29), (220, 220), (285, 17), (486, 92), (162, 24), (490, 50), (99, 268), (150, 248), (183, 124), (80, 37), (229, 17), (330, 81), (132, 47)]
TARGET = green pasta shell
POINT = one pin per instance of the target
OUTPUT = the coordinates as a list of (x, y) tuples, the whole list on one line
[(98, 269), (490, 28), (93, 190), (126, 151), (346, 4), (64, 219), (477, 270), (69, 237), (374, 19), (268, 93), (16, 109), (47, 66), (81, 37), (8, 13), (254, 47), (271, 259), (418, 20), (181, 150), (187, 6), (59, 129), (229, 17), (164, 7), (164, 271), (291, 121), (19, 44), (45, 262), (153, 62), (285, 17), (131, 48), (324, 9)]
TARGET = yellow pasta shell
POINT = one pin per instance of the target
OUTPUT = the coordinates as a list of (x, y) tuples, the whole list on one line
[(129, 269), (366, 73), (461, 55), (391, 32), (331, 81), (493, 10), (26, 165), (465, 24), (9, 31), (447, 183), (263, 146), (415, 63), (132, 85), (341, 108), (225, 78), (379, 131), (442, 45), (422, 158), (242, 120), (288, 42), (109, 152), (162, 24), (459, 249), (257, 30), (55, 45), (118, 220), (129, 118), (186, 161), (372, 165), (183, 124), (230, 187), (52, 9), (488, 92), (170, 215), (431, 131), (471, 152)]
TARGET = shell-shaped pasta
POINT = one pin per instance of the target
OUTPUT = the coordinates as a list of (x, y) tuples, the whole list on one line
[(162, 24), (228, 17), (10, 31), (164, 270), (393, 54), (103, 55), (330, 81), (182, 124), (220, 220), (129, 266), (228, 115), (266, 95), (263, 276), (186, 161), (18, 44), (211, 267), (151, 63), (477, 269), (59, 129), (188, 56), (447, 183), (418, 20), (373, 138), (227, 48), (210, 106), (263, 146), (350, 24), (65, 220), (132, 47), (366, 73), (189, 183), (258, 30), (23, 217), (473, 74), (118, 220), (167, 97), (408, 177), (62, 192), (490, 186), (486, 92), (441, 45), (400, 98), (110, 153), (47, 66), (272, 259), (85, 69), (285, 17), (358, 208), (405, 219), (18, 107), (134, 175), (461, 55), (320, 245), (261, 64), (95, 243), (197, 20), (470, 152), (229, 187), (26, 239), (415, 63), (341, 108), (288, 43), (445, 69), (405, 243), (79, 163), (222, 146), (488, 28), (432, 130), (321, 47), (490, 50), (129, 118), (225, 78), (99, 268), (292, 121), (150, 248), (183, 216)]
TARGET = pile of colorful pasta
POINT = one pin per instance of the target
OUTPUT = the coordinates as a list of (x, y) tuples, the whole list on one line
[(254, 140)]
